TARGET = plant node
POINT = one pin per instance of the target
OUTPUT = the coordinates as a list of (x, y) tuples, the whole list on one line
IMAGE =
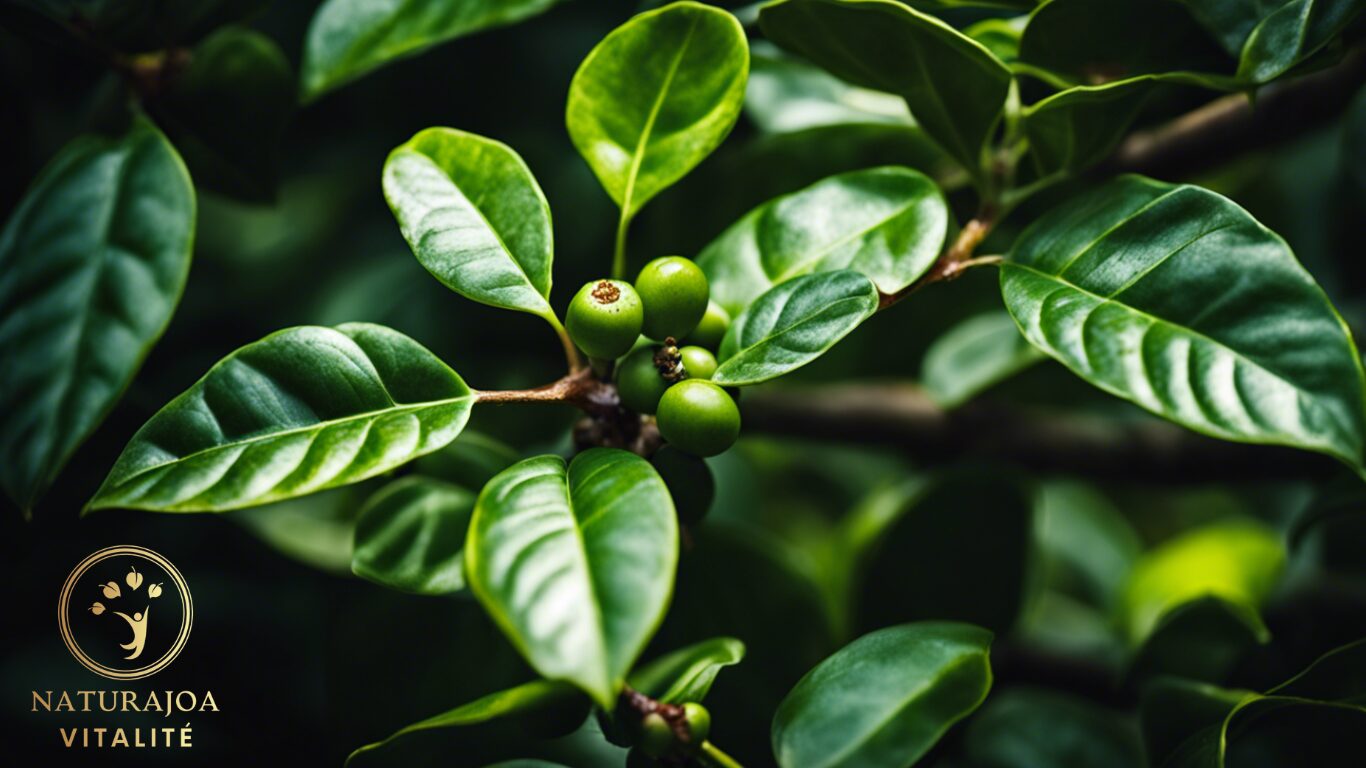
[(669, 361)]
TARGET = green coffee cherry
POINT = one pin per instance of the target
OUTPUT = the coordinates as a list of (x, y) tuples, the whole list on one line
[(698, 362), (689, 480), (639, 383), (656, 735), (674, 292), (698, 417), (711, 328), (699, 723), (604, 318)]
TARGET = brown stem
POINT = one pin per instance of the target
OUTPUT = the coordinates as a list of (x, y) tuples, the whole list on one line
[(903, 417), (580, 389), (954, 261), (1233, 125)]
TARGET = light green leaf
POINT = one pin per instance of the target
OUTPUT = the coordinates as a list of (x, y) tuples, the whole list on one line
[(888, 223), (348, 38), (655, 97), (1175, 298), (576, 564), (92, 264), (787, 94), (1291, 34), (974, 356), (1028, 728), (299, 411), (1000, 36), (883, 700), (1238, 562), (955, 87), (411, 536), (687, 674), (474, 216), (228, 112), (793, 324), (525, 700)]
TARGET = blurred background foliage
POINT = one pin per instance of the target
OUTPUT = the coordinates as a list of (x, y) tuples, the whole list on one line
[(810, 543)]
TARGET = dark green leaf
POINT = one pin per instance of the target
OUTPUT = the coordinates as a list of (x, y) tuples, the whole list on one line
[(228, 112), (1027, 728), (887, 223), (955, 87), (1177, 299), (1291, 34), (883, 700), (316, 530), (474, 216), (687, 674), (348, 38), (974, 356), (92, 264), (411, 536), (524, 700), (576, 564), (1231, 21), (793, 324), (1203, 638), (470, 461), (1086, 543), (136, 26), (299, 411), (655, 97), (787, 94)]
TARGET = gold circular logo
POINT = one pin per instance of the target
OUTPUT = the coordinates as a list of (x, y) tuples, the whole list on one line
[(125, 612)]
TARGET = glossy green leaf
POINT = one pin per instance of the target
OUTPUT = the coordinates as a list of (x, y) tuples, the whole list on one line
[(883, 700), (299, 411), (1027, 728), (787, 94), (474, 216), (1292, 33), (687, 674), (92, 264), (228, 111), (1175, 298), (973, 356), (655, 97), (1238, 562), (576, 564), (1000, 36), (411, 536), (524, 700), (1231, 21), (1187, 724), (955, 87), (793, 324), (349, 38), (1093, 42), (888, 223)]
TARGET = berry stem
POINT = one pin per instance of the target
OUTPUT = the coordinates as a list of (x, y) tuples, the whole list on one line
[(571, 352), (619, 252), (711, 755)]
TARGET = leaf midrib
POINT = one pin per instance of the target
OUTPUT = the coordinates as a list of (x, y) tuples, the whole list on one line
[(800, 321), (638, 156), (805, 265)]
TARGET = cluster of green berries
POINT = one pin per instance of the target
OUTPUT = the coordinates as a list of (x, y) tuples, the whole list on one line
[(670, 300), (675, 738)]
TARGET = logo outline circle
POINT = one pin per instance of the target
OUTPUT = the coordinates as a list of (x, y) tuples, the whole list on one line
[(69, 639)]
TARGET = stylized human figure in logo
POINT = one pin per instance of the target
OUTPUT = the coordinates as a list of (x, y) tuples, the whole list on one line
[(138, 621)]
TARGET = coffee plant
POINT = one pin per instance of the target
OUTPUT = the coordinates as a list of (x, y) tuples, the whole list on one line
[(625, 562)]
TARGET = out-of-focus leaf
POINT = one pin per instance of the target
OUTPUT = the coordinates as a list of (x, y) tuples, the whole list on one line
[(1000, 36), (655, 97), (883, 700), (787, 94), (687, 674), (411, 536), (1028, 728), (1203, 638), (576, 564), (471, 460), (135, 26), (955, 87), (348, 38), (1291, 34), (1175, 298), (315, 530), (1231, 21), (973, 356), (793, 324), (475, 217), (929, 559), (92, 264), (228, 111), (302, 410), (1083, 536)]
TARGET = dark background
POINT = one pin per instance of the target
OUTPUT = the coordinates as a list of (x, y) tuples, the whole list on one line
[(305, 663)]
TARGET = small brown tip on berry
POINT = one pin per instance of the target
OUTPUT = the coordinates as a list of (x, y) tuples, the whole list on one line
[(605, 292)]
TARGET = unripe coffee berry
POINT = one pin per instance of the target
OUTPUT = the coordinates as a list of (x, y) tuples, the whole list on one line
[(698, 362), (711, 328), (674, 292), (698, 417), (656, 735), (604, 318), (639, 383), (699, 723)]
